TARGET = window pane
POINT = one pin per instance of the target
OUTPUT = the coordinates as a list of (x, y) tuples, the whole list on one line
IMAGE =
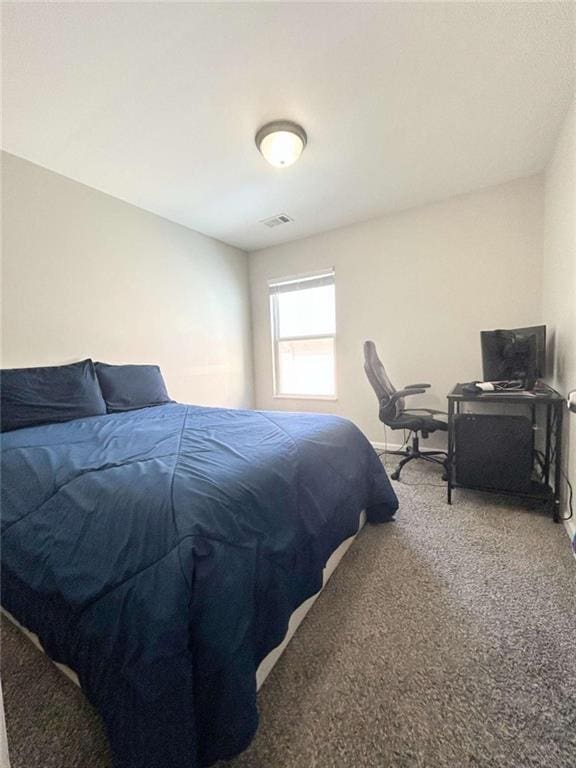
[(306, 367), (307, 312)]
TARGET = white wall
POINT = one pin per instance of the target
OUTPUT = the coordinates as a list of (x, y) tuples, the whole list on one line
[(422, 284), (86, 275), (559, 275)]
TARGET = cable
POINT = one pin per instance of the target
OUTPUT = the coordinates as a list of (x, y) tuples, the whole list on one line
[(385, 451), (570, 497), (556, 422)]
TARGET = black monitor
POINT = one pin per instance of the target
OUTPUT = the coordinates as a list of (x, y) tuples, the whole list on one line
[(518, 354)]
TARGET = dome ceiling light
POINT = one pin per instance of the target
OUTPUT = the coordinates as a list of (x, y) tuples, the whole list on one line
[(281, 142)]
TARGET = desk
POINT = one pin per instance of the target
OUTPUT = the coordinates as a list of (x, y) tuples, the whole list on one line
[(545, 406)]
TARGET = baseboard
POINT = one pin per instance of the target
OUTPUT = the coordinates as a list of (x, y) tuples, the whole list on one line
[(397, 446), (570, 526), (386, 446)]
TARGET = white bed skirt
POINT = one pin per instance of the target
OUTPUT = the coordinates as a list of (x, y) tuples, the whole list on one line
[(268, 663), (299, 614)]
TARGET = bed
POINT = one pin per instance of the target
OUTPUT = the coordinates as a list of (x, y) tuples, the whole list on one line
[(160, 554)]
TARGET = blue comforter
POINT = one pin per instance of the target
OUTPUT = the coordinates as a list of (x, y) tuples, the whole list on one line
[(159, 553)]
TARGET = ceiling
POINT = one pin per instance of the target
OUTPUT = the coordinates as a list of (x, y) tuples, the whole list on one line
[(403, 103)]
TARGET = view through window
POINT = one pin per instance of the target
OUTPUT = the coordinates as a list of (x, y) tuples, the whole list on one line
[(304, 333)]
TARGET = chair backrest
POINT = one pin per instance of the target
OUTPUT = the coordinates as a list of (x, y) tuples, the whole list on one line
[(381, 384)]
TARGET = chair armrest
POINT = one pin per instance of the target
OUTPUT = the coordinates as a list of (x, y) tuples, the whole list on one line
[(406, 393), (417, 386)]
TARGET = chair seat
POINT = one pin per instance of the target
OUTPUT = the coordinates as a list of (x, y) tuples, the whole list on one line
[(417, 421)]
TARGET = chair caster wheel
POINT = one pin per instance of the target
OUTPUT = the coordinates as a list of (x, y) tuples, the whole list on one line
[(395, 476)]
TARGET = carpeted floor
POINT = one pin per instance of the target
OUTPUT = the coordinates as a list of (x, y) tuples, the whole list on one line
[(444, 640)]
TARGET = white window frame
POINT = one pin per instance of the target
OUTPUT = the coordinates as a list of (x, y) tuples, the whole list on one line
[(297, 282)]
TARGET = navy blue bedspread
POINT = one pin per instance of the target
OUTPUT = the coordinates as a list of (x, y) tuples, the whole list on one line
[(159, 553)]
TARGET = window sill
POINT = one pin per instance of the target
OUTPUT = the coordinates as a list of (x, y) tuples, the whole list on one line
[(305, 397)]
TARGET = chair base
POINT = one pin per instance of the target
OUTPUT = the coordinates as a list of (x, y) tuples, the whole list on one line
[(413, 452)]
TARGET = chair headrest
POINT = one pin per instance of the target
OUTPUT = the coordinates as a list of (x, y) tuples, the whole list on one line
[(375, 372)]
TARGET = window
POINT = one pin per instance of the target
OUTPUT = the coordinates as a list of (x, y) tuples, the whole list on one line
[(304, 333)]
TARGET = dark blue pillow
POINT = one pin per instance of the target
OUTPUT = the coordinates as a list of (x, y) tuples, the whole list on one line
[(127, 387), (33, 396)]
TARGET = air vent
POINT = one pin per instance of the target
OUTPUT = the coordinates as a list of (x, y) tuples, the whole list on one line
[(276, 221)]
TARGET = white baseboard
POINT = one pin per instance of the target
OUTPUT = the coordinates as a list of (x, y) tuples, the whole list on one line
[(570, 526), (397, 446), (386, 446)]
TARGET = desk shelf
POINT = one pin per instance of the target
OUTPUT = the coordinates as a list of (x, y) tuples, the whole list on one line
[(538, 491)]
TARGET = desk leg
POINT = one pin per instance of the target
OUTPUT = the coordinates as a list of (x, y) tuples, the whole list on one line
[(549, 426), (450, 448), (559, 413)]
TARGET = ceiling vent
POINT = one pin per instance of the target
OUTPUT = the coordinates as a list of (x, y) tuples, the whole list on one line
[(276, 221)]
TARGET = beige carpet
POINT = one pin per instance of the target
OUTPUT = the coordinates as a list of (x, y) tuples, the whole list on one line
[(444, 640)]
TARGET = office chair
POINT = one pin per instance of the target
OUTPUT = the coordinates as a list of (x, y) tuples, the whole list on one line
[(419, 421)]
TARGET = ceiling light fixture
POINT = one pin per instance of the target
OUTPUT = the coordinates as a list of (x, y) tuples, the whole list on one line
[(281, 142)]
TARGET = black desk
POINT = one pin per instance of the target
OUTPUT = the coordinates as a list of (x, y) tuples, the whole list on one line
[(547, 407)]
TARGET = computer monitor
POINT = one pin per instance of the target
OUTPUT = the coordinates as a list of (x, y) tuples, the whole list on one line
[(518, 354)]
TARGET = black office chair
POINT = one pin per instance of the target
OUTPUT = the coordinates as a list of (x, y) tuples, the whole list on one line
[(420, 421)]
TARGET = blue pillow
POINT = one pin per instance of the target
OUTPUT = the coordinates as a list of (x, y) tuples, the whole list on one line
[(33, 396), (127, 387)]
